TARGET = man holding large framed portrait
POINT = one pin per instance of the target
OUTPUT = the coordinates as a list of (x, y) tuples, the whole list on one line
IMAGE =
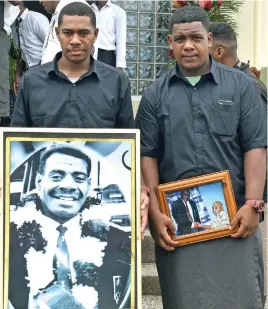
[(201, 118)]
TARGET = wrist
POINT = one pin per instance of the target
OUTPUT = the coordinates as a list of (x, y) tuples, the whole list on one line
[(257, 205), (145, 189)]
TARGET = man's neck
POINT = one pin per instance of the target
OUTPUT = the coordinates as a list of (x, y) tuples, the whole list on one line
[(231, 61), (204, 69), (73, 70), (100, 4), (22, 10)]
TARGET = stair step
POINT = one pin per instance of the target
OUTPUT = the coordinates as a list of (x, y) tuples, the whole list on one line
[(147, 252), (150, 282), (152, 302)]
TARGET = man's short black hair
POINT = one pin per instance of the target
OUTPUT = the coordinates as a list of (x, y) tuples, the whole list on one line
[(224, 32), (66, 149), (189, 14), (77, 9)]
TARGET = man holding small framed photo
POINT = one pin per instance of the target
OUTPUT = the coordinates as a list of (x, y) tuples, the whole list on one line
[(201, 118)]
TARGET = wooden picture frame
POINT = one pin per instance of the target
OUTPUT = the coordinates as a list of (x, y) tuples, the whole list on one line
[(196, 193), (106, 165)]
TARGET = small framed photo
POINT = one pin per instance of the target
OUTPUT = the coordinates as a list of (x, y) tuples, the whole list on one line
[(201, 208)]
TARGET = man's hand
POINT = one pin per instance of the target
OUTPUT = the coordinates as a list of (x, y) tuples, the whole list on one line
[(16, 83), (160, 225), (246, 220), (144, 211)]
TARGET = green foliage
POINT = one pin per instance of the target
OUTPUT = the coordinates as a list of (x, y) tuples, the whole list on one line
[(13, 56)]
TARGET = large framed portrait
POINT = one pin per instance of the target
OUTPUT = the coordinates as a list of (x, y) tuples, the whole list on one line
[(201, 208), (70, 219)]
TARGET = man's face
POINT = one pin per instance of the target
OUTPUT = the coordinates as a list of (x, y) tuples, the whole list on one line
[(77, 36), (64, 186), (49, 6), (185, 196), (190, 43)]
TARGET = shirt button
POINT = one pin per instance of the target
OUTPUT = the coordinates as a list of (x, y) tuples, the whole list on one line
[(195, 109), (74, 85), (195, 88)]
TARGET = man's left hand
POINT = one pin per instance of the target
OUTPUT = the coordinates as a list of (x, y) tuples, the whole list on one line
[(144, 211), (246, 220)]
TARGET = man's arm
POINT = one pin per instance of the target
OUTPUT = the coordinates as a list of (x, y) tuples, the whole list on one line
[(120, 38), (252, 133), (124, 116), (146, 121), (21, 116), (40, 26)]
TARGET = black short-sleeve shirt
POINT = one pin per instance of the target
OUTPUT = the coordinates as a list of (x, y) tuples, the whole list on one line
[(101, 98), (201, 129)]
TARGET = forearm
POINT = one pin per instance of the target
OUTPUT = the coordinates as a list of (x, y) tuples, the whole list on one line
[(149, 168), (255, 173)]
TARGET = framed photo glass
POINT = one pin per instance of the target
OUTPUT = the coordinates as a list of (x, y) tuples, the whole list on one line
[(201, 208)]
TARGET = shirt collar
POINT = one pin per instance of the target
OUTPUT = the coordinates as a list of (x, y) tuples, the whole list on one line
[(213, 71), (53, 67), (24, 14)]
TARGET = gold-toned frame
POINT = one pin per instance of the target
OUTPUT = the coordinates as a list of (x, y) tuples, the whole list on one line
[(135, 287), (224, 178)]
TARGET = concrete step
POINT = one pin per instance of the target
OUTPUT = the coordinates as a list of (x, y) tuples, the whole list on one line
[(150, 282), (152, 302), (147, 248)]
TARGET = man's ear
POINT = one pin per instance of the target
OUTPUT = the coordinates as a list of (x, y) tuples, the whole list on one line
[(96, 33), (38, 181), (170, 41), (210, 39), (219, 52)]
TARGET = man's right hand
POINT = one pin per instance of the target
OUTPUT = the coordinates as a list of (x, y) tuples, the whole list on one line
[(160, 224), (16, 83)]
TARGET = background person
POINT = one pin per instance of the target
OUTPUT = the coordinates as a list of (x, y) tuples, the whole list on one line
[(29, 32), (8, 13), (110, 46), (224, 50)]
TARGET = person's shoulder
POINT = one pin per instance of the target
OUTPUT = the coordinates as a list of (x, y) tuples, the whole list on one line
[(37, 71), (118, 8), (106, 70), (157, 87), (228, 70), (37, 17)]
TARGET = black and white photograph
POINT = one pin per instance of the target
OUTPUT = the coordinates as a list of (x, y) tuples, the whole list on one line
[(72, 222), (198, 209)]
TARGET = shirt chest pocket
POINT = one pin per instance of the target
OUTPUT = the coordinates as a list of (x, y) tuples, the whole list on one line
[(223, 118)]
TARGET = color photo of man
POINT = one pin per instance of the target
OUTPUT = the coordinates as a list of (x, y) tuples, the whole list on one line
[(185, 214)]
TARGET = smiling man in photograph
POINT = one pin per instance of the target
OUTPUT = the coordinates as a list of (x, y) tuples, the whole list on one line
[(69, 260), (203, 117)]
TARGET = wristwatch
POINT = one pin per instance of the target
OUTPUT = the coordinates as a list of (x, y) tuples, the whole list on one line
[(257, 204), (145, 188)]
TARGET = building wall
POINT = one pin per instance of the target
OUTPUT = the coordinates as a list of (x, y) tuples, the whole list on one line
[(252, 30)]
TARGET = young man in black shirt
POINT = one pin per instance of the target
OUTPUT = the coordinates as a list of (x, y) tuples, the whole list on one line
[(202, 117)]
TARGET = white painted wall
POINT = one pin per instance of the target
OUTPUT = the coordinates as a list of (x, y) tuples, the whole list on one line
[(253, 33)]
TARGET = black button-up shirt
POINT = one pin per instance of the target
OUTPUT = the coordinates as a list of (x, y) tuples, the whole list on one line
[(201, 129), (101, 98)]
